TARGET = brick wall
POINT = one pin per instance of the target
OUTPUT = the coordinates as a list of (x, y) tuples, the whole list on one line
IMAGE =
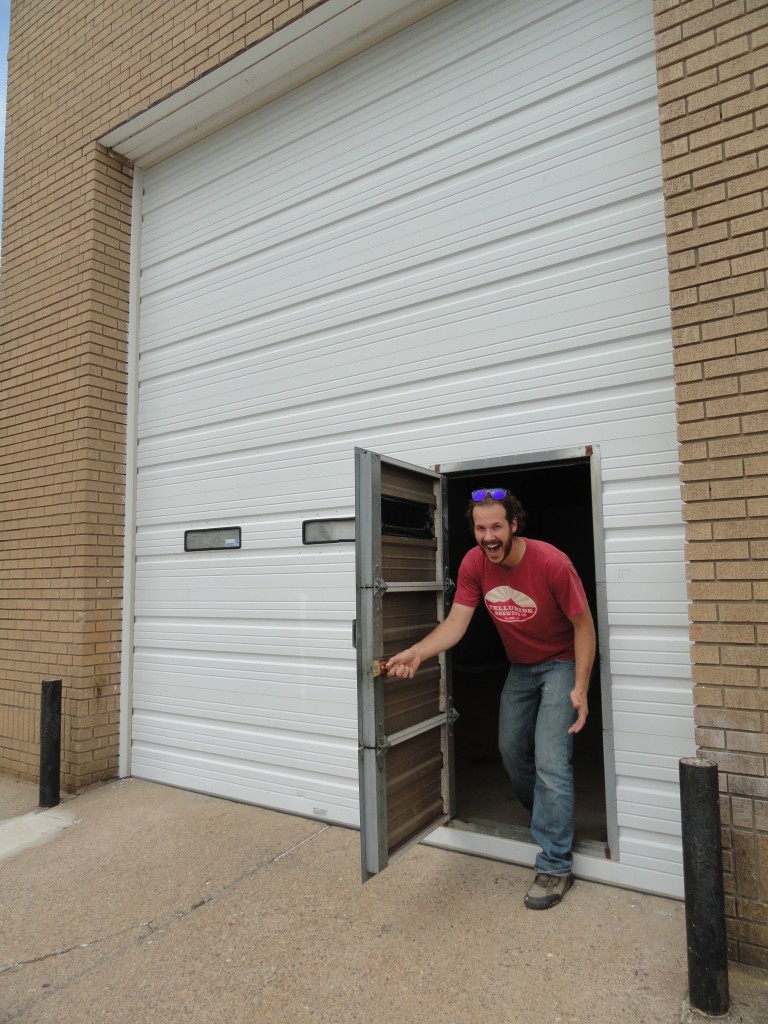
[(713, 97), (77, 68)]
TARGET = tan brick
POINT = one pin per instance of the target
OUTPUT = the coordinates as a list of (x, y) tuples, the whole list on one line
[(720, 591), (746, 931), (747, 909), (701, 275), (741, 764), (707, 696), (743, 99), (753, 22), (751, 142), (757, 508), (696, 17), (688, 373), (723, 349), (722, 633), (731, 469), (747, 362), (748, 487), (688, 413), (701, 531), (713, 551), (752, 343), (702, 82), (693, 161), (751, 302), (733, 97), (716, 428), (748, 741), (745, 655), (683, 222), (703, 612), (712, 739), (755, 422), (667, 39), (746, 184), (701, 199), (728, 718), (753, 528), (735, 405), (745, 785), (709, 56), (731, 248), (729, 209), (691, 130), (748, 284), (675, 186)]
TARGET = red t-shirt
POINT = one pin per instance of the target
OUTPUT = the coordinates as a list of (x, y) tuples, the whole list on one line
[(530, 604)]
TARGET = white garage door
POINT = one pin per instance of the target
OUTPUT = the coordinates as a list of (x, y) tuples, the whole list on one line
[(450, 247)]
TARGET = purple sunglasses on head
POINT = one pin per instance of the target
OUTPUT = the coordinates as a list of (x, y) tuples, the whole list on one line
[(497, 493)]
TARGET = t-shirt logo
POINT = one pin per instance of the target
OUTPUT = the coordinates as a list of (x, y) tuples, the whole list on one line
[(510, 605)]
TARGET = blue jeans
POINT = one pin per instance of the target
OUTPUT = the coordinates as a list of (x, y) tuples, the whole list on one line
[(534, 717)]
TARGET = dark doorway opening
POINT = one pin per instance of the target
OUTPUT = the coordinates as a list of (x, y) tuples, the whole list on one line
[(557, 497)]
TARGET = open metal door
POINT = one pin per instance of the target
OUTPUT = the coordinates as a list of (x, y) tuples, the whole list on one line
[(405, 725)]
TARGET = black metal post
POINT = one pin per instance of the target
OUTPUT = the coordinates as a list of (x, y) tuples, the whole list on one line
[(50, 743), (703, 883)]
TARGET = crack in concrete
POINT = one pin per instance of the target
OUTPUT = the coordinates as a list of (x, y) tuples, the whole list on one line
[(228, 886), (5, 968), (147, 928)]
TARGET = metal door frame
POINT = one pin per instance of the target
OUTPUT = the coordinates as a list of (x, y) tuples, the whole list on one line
[(578, 453)]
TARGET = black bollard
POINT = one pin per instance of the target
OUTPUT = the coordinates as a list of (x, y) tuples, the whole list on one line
[(703, 883), (50, 743)]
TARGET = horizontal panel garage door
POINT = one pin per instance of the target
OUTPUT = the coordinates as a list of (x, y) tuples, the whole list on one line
[(450, 247)]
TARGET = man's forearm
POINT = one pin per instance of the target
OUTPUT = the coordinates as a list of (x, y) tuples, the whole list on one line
[(444, 636), (585, 646)]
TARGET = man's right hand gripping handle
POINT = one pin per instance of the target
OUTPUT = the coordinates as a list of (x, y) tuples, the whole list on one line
[(404, 665)]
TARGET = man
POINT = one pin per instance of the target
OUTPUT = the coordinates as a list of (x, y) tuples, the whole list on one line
[(539, 607)]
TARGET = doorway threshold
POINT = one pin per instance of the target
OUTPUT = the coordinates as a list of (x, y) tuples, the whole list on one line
[(516, 833), (514, 845)]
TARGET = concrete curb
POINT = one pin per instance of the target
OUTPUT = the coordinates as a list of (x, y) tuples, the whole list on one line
[(17, 834)]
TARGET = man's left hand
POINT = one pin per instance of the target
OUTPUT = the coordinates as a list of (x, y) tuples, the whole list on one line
[(579, 701)]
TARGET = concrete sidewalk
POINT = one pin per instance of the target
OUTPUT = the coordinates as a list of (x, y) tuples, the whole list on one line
[(137, 902)]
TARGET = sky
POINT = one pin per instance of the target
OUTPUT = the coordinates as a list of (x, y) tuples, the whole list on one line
[(5, 7)]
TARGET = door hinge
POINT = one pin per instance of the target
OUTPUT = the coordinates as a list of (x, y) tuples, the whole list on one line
[(382, 748)]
